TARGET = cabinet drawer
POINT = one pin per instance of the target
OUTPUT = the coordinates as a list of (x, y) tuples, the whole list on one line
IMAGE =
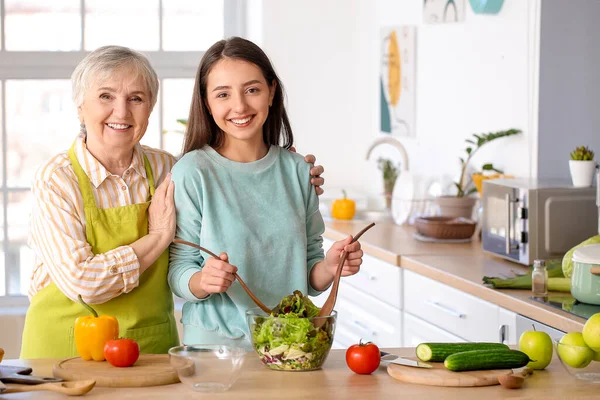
[(365, 317), (450, 309), (377, 278), (416, 331), (345, 337)]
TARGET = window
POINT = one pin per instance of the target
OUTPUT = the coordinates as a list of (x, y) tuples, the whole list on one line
[(37, 116)]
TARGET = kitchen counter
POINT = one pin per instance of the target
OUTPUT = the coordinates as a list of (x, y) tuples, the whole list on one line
[(334, 381), (459, 265)]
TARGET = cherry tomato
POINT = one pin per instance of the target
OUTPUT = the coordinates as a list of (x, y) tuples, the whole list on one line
[(121, 352), (363, 358)]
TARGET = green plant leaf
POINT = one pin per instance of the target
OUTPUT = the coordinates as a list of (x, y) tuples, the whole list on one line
[(183, 121), (487, 167), (482, 139), (460, 190)]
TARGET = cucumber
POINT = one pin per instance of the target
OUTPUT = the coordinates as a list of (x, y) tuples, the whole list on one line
[(437, 352), (486, 359)]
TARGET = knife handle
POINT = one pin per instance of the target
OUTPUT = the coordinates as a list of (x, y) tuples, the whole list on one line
[(28, 379)]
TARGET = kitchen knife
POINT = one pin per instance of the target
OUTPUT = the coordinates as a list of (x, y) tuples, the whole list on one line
[(387, 358)]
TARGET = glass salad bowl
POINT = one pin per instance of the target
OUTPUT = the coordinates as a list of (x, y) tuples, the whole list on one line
[(579, 361), (291, 343), (207, 368)]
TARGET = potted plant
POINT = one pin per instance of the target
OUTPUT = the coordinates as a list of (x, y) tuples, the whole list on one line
[(461, 205), (390, 174), (582, 166)]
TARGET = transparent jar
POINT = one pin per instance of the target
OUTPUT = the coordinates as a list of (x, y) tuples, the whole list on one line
[(539, 279)]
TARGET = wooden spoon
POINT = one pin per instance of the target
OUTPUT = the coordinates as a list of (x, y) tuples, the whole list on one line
[(330, 302), (73, 388), (252, 296), (514, 380)]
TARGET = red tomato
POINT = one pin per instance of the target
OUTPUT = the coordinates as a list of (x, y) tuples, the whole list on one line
[(363, 358), (121, 352)]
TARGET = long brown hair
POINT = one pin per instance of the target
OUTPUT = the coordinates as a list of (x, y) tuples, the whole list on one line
[(201, 127)]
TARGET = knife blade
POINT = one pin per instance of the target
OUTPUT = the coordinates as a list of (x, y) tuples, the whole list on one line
[(387, 358)]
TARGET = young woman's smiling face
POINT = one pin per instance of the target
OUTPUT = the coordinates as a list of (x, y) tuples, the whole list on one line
[(238, 98)]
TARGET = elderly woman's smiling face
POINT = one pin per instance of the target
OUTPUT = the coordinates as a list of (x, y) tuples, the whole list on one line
[(115, 111)]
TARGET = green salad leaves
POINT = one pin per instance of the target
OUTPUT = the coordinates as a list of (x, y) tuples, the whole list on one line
[(288, 339)]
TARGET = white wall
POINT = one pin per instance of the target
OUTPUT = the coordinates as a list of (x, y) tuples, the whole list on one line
[(471, 77)]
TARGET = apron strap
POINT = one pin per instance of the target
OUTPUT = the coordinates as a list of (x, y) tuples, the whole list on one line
[(150, 176), (84, 182)]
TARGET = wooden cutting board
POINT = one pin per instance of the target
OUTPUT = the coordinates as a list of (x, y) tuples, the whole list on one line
[(148, 370), (440, 376)]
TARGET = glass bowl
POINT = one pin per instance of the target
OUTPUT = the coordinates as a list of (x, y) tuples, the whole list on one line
[(207, 368), (291, 343), (589, 372)]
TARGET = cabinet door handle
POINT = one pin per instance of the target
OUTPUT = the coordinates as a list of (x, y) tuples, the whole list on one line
[(364, 328), (508, 222), (445, 309), (368, 276), (502, 332)]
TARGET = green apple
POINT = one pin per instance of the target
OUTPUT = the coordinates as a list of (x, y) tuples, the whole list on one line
[(596, 356), (538, 347), (573, 350), (591, 332)]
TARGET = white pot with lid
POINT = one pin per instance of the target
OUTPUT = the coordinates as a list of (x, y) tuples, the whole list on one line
[(585, 281)]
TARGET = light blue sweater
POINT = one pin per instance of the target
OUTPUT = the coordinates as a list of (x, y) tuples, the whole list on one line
[(263, 214)]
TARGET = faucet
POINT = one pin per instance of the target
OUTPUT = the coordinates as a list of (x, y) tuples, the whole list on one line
[(394, 142)]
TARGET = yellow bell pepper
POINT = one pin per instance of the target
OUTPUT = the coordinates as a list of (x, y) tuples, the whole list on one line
[(343, 208), (92, 332)]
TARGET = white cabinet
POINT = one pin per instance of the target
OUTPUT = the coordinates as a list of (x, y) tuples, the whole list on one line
[(456, 312), (394, 307), (369, 304), (416, 331)]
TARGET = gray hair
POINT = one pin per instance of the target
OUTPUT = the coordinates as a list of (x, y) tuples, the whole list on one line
[(104, 61)]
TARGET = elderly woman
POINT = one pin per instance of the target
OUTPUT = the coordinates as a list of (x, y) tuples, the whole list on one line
[(104, 215)]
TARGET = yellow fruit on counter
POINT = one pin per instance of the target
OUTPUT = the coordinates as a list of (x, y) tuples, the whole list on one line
[(343, 208), (591, 332)]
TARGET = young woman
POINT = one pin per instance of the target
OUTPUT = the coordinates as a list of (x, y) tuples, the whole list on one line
[(239, 192)]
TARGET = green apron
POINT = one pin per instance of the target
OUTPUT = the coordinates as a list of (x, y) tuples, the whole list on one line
[(145, 314)]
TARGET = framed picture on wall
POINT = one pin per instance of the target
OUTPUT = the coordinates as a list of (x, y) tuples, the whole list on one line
[(443, 11), (397, 81)]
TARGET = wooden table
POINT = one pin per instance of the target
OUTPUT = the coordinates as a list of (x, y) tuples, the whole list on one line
[(334, 381)]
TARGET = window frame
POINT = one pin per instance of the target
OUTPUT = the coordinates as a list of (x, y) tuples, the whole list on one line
[(59, 65)]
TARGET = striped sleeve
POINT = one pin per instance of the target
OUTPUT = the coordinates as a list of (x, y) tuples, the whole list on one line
[(58, 238)]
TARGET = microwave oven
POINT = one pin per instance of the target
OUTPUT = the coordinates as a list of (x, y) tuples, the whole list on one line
[(528, 219)]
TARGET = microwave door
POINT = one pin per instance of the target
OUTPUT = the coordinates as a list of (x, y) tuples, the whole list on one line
[(500, 221)]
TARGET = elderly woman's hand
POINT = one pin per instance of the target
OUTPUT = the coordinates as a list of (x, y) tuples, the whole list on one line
[(315, 172), (161, 213)]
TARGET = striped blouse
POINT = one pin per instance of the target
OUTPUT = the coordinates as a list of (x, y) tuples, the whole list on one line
[(57, 228)]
